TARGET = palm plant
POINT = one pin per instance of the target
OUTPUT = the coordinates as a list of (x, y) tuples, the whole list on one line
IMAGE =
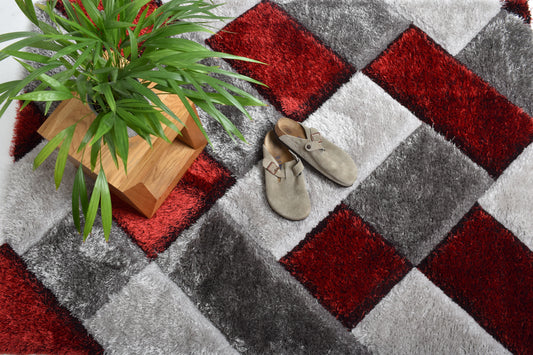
[(100, 55)]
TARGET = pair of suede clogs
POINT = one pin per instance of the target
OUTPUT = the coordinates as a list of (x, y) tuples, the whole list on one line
[(285, 184)]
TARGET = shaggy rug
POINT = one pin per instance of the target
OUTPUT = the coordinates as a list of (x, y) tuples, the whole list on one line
[(429, 252)]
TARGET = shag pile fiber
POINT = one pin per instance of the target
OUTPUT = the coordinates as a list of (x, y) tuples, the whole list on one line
[(429, 252)]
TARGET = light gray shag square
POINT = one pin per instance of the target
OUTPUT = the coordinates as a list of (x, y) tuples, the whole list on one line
[(451, 23), (419, 193), (28, 211), (357, 30), (82, 275), (501, 54), (151, 315), (416, 317), (509, 200), (258, 305)]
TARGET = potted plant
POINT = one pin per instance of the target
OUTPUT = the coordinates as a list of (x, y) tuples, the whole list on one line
[(117, 57)]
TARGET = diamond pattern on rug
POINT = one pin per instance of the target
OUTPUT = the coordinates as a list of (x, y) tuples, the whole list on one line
[(416, 317), (357, 30), (301, 73), (451, 23), (365, 121), (204, 183), (82, 275), (346, 265), (152, 309), (246, 293), (362, 119), (419, 193), (32, 321), (246, 203), (453, 100), (501, 54), (489, 272), (413, 188)]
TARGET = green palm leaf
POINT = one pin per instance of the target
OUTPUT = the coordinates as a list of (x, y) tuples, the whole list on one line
[(100, 57)]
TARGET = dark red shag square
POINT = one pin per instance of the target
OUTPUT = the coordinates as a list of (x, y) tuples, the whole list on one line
[(346, 265), (25, 136), (31, 319), (301, 72), (453, 100), (204, 183), (484, 268), (518, 7)]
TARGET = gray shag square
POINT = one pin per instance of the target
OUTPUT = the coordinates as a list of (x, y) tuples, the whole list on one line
[(248, 295), (82, 275), (501, 54), (419, 193), (357, 30), (23, 208), (451, 23), (151, 315)]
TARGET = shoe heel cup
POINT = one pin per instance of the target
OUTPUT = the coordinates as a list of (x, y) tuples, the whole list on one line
[(289, 127)]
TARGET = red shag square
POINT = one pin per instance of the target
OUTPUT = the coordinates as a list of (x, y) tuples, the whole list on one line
[(25, 136), (453, 100), (204, 183), (301, 72), (32, 321), (346, 265), (484, 268), (518, 7)]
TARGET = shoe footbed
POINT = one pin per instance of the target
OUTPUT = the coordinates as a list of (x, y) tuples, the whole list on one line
[(290, 127), (278, 150)]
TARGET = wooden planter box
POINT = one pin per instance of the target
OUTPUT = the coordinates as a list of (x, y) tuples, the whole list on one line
[(152, 172)]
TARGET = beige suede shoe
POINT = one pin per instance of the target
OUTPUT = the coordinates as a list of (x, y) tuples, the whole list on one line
[(285, 185), (326, 157)]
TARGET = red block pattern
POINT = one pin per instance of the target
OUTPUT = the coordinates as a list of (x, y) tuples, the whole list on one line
[(31, 319), (25, 136), (489, 272), (301, 73), (346, 265), (453, 100), (204, 183), (519, 7)]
